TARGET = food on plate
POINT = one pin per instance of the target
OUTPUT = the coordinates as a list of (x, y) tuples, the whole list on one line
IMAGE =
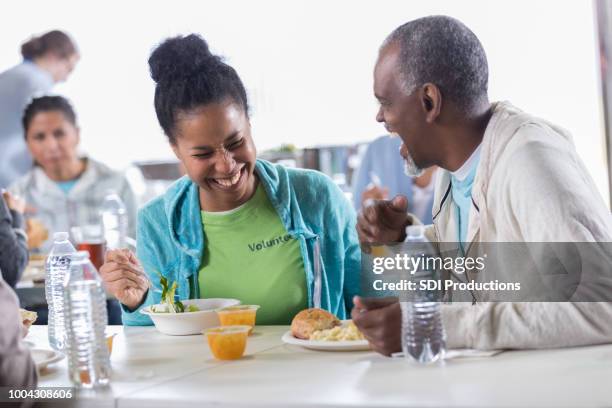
[(348, 332), (168, 304), (238, 315), (27, 319), (308, 321), (37, 233), (227, 342)]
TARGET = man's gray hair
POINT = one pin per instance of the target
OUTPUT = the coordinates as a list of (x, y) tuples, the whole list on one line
[(443, 51)]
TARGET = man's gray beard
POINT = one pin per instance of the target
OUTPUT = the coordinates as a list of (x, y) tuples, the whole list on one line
[(410, 167)]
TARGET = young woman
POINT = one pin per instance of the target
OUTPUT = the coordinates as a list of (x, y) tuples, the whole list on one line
[(65, 190), (235, 226), (47, 60)]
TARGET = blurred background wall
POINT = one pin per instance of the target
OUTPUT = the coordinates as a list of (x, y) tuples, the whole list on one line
[(308, 65)]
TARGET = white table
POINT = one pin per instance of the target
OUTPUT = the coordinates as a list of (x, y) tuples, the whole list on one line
[(155, 370)]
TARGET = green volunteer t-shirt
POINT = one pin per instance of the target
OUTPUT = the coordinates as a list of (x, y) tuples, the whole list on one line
[(248, 255)]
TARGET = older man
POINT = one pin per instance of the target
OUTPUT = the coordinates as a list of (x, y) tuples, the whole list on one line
[(506, 177)]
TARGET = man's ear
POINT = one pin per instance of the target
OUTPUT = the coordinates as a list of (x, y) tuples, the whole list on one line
[(431, 101)]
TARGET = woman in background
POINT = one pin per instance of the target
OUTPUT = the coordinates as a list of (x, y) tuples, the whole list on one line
[(65, 190), (47, 60)]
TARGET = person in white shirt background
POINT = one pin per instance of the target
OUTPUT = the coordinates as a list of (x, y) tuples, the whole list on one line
[(380, 175), (47, 59)]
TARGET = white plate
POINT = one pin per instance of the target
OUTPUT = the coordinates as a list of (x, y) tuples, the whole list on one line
[(43, 357), (347, 345), (29, 343)]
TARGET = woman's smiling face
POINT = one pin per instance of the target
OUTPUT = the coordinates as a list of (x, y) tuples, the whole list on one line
[(215, 146)]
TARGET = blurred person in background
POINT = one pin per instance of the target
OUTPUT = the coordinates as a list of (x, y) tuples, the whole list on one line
[(381, 175), (17, 369), (64, 190), (47, 60), (13, 240)]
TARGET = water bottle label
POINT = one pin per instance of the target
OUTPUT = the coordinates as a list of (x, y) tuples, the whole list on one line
[(59, 262)]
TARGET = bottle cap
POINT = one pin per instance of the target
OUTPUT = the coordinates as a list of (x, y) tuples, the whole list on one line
[(60, 236), (81, 254), (415, 231)]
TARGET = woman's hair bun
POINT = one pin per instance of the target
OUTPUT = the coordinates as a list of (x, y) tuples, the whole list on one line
[(55, 41), (32, 48), (179, 58)]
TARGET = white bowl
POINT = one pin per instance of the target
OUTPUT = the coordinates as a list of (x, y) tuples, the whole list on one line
[(181, 324)]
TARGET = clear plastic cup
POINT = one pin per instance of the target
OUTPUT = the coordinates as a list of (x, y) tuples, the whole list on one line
[(238, 315), (227, 342)]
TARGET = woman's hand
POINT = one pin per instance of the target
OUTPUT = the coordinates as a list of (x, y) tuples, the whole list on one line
[(124, 277), (14, 202)]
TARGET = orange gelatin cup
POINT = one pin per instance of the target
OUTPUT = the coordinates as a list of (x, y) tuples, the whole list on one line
[(227, 342), (238, 315), (109, 343)]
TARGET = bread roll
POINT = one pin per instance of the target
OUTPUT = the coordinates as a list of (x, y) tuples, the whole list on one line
[(28, 317), (310, 320)]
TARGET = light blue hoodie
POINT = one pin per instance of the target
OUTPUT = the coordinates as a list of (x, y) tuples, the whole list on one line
[(312, 209)]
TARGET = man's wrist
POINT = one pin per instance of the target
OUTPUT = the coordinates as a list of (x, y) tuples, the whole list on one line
[(408, 223)]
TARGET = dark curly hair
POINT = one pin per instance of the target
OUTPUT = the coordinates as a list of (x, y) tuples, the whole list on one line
[(189, 76), (47, 104)]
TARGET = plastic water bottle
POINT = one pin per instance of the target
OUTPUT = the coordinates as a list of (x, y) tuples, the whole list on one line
[(423, 337), (86, 320), (114, 221), (56, 269)]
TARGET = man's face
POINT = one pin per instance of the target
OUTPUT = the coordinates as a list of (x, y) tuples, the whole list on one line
[(399, 111)]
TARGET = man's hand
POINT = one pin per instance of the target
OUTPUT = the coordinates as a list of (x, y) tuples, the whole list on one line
[(124, 277), (383, 222), (374, 192), (380, 321)]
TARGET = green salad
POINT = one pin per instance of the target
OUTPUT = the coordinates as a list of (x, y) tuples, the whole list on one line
[(168, 304)]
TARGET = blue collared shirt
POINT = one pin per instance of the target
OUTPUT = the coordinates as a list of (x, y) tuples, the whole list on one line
[(461, 190), (18, 85)]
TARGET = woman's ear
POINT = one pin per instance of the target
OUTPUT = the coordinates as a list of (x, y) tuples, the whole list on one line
[(431, 100), (176, 151)]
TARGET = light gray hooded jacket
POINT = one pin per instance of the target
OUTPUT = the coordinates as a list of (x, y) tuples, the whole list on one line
[(81, 206), (530, 186)]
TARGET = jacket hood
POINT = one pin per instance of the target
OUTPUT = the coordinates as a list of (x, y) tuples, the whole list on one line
[(505, 121), (182, 203)]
